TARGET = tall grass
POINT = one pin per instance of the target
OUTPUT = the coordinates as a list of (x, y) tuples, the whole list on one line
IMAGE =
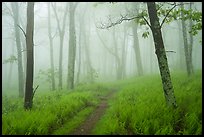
[(50, 111), (140, 108)]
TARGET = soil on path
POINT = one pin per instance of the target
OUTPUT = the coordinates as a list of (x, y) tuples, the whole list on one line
[(87, 126)]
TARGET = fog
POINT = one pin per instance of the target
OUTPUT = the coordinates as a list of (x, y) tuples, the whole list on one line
[(100, 50)]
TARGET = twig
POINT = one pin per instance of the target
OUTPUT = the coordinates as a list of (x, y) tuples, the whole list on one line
[(119, 21), (167, 15), (22, 30), (171, 51), (146, 21), (34, 91)]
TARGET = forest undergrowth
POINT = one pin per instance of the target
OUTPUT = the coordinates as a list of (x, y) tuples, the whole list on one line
[(137, 108)]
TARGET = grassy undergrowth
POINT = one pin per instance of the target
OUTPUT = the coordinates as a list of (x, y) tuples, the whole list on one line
[(139, 108), (52, 112)]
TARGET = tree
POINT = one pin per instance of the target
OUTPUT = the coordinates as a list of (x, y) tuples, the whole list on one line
[(186, 49), (124, 53), (61, 34), (161, 55), (30, 60), (90, 69), (15, 10), (159, 45), (72, 46), (79, 51), (114, 53), (136, 44), (51, 49), (137, 50), (191, 42), (195, 24)]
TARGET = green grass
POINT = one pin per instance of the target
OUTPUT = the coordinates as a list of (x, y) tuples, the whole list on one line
[(73, 123), (139, 108), (50, 111)]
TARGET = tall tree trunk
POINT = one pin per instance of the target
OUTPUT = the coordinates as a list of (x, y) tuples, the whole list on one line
[(124, 53), (151, 55), (161, 55), (15, 10), (60, 63), (30, 60), (181, 60), (23, 43), (72, 46), (10, 70), (79, 55), (51, 49), (117, 58), (87, 53), (137, 50), (185, 43), (61, 33), (191, 42)]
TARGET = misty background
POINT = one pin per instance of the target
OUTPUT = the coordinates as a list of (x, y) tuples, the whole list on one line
[(91, 16)]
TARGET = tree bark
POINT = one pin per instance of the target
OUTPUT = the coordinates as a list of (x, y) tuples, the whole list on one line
[(51, 49), (30, 60), (72, 47), (161, 55), (15, 10)]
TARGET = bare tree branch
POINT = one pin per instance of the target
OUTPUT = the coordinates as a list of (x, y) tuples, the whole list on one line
[(57, 18), (34, 91), (171, 51), (22, 30), (167, 14), (103, 43), (119, 21), (54, 34), (9, 10), (146, 21)]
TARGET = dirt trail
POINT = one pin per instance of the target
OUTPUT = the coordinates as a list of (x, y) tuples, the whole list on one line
[(87, 126)]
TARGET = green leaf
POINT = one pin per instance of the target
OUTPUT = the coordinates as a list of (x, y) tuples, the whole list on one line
[(145, 34)]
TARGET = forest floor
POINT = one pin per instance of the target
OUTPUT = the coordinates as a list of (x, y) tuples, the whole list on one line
[(87, 126)]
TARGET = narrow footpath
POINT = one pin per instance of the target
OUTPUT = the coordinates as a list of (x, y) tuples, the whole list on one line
[(88, 125)]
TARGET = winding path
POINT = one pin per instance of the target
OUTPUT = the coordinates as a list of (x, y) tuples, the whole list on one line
[(86, 127)]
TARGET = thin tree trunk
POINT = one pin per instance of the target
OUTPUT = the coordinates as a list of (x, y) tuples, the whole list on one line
[(191, 43), (30, 60), (15, 10), (79, 55), (87, 53), (124, 54), (180, 47), (137, 50), (161, 55), (60, 63), (72, 47), (185, 43), (61, 33), (117, 58), (51, 50)]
